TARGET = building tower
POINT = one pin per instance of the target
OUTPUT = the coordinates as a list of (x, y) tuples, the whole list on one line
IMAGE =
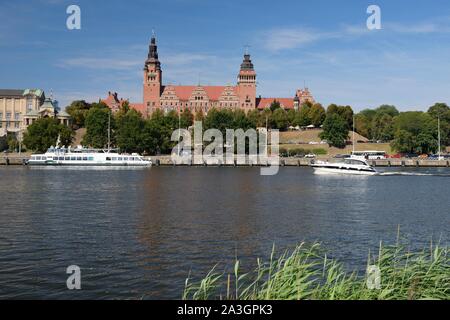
[(152, 78), (247, 84)]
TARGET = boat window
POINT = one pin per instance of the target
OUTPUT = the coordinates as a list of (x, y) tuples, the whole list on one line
[(61, 158), (125, 159), (73, 158), (67, 158), (108, 159), (78, 158), (84, 158), (114, 159), (91, 158), (120, 159)]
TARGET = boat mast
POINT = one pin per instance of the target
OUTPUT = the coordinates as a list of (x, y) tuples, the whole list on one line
[(179, 130), (439, 138), (109, 131), (353, 142)]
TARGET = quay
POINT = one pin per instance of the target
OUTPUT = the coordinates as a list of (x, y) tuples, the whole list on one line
[(165, 161)]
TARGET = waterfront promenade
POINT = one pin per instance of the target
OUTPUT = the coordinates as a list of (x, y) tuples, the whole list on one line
[(291, 162)]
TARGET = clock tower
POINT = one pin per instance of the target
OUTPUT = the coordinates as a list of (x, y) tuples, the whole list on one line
[(152, 78)]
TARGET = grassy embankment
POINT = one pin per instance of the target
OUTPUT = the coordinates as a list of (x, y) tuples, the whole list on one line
[(300, 140), (308, 273)]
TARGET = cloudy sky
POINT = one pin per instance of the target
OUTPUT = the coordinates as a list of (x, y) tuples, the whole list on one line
[(324, 44)]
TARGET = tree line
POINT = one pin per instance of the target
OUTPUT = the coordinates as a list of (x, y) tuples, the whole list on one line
[(408, 132)]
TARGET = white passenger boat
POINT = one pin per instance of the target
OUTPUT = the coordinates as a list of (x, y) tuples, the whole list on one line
[(86, 157), (348, 166)]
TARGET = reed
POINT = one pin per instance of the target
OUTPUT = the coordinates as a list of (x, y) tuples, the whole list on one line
[(306, 272)]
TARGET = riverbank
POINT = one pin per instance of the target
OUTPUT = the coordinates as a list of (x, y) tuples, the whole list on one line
[(288, 162)]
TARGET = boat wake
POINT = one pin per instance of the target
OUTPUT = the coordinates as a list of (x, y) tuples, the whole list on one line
[(413, 174)]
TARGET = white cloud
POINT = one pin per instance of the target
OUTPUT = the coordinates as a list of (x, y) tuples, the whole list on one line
[(289, 38)]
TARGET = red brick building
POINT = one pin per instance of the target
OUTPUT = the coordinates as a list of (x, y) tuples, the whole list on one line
[(156, 95)]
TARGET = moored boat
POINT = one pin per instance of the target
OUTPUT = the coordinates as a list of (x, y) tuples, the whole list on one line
[(86, 157)]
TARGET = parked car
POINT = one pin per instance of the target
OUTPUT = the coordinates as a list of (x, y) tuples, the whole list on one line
[(341, 156), (310, 156)]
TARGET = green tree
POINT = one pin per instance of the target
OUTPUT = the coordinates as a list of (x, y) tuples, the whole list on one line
[(255, 118), (415, 132), (129, 132), (387, 109), (363, 125), (317, 114), (78, 110), (44, 133), (302, 117), (403, 142), (275, 105), (97, 119), (186, 118), (291, 116), (280, 119), (219, 119), (241, 121), (335, 130), (383, 127)]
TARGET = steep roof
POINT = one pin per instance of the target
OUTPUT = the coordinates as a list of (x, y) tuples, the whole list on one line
[(213, 92), (11, 93), (139, 107), (286, 103)]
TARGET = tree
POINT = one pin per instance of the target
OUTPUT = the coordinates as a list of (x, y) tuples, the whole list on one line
[(44, 132), (387, 109), (275, 105), (415, 132), (335, 130), (219, 119), (346, 113), (383, 127), (129, 132), (78, 110), (363, 125), (241, 121), (97, 119), (280, 119), (403, 142), (186, 118), (291, 116), (302, 118), (255, 118), (317, 114)]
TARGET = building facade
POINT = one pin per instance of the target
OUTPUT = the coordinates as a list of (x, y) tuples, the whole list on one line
[(157, 96), (19, 108)]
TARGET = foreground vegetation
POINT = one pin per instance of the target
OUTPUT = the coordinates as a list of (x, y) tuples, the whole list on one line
[(308, 273)]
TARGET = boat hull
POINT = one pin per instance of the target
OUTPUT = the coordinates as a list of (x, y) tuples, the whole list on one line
[(87, 164), (335, 171)]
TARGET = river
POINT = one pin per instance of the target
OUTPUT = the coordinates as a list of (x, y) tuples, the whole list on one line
[(138, 233)]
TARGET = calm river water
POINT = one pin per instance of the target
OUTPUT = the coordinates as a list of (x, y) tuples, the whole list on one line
[(136, 234)]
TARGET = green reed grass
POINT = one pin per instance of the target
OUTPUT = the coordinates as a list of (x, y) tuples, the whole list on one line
[(306, 272)]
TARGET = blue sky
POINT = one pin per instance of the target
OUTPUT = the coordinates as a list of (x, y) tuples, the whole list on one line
[(323, 43)]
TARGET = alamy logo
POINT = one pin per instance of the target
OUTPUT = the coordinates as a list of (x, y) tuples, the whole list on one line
[(374, 21), (373, 278), (74, 19), (74, 280), (241, 148)]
